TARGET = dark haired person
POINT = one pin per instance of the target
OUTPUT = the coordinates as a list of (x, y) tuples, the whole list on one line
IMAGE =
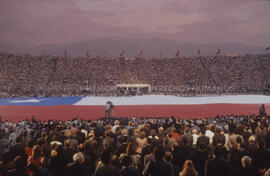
[(18, 149), (181, 153), (186, 135), (199, 157), (127, 170), (105, 168), (158, 167), (20, 168), (202, 139), (218, 165), (6, 164), (108, 109), (261, 157), (262, 111), (58, 161), (218, 138), (237, 154), (29, 148)]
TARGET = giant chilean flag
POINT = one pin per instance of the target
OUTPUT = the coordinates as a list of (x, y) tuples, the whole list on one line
[(92, 107)]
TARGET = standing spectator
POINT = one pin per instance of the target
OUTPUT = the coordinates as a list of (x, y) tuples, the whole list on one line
[(29, 148), (12, 136), (105, 168), (36, 157), (58, 161), (246, 134), (218, 138), (6, 164), (181, 153), (237, 155), (209, 133), (131, 151), (261, 156), (195, 136), (199, 158), (18, 149), (20, 169), (127, 170), (116, 125), (202, 139), (44, 171), (186, 135), (234, 139), (142, 141), (246, 169), (76, 168), (188, 169), (261, 133), (158, 167), (217, 165)]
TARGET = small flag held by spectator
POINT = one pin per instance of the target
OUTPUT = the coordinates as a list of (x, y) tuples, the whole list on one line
[(198, 52), (141, 53), (65, 53), (177, 54), (105, 54), (122, 53), (218, 51)]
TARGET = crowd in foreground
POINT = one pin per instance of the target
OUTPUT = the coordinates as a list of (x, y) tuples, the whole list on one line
[(223, 146)]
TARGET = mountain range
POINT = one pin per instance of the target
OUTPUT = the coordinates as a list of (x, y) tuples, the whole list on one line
[(151, 48)]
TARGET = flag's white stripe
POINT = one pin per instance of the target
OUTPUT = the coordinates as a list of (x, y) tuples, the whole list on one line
[(170, 100), (26, 101)]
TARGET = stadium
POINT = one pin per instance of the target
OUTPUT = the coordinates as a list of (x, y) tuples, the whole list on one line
[(134, 88), (211, 86)]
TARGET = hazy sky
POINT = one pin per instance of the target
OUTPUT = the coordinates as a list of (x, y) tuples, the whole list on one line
[(34, 22)]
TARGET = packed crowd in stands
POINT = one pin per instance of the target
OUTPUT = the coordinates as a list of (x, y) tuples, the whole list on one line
[(26, 75), (221, 146)]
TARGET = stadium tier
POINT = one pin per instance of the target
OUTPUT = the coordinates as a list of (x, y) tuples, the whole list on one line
[(52, 76)]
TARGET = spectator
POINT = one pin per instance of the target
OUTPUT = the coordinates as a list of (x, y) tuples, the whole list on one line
[(209, 133), (202, 139), (105, 168), (35, 159), (199, 158), (217, 165), (142, 141), (127, 170), (187, 136), (76, 168), (188, 169), (218, 138), (195, 136), (20, 168), (29, 147), (6, 164), (246, 169), (158, 166)]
